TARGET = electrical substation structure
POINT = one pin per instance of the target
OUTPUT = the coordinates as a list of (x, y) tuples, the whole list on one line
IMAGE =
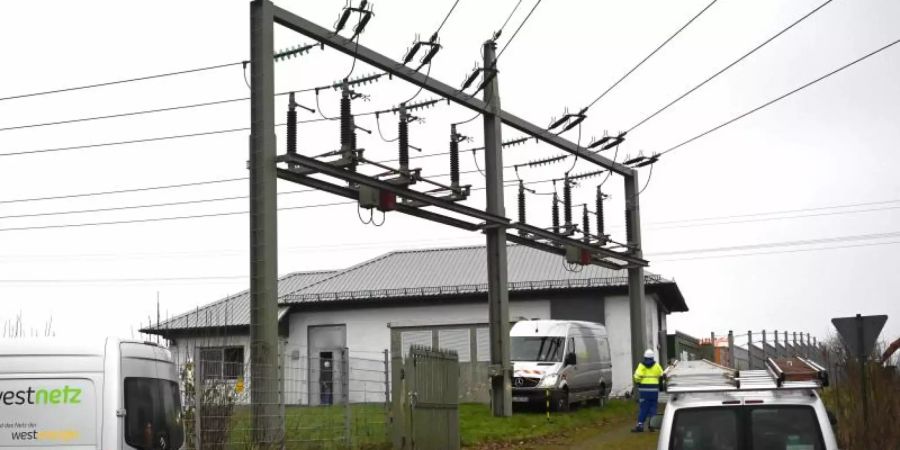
[(391, 190)]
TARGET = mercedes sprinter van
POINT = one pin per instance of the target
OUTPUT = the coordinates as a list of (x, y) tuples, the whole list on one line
[(560, 362)]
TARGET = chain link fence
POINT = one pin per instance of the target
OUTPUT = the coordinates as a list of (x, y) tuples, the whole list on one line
[(329, 401)]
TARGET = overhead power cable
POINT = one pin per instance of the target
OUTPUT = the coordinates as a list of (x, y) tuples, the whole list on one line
[(519, 28), (729, 66), (777, 99), (657, 49), (846, 238), (162, 138), (122, 191), (506, 22), (127, 80), (778, 252)]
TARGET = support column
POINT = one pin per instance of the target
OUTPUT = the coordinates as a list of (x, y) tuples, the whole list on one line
[(264, 378), (498, 295), (639, 338)]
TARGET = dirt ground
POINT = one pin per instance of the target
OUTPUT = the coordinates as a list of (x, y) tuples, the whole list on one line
[(608, 435)]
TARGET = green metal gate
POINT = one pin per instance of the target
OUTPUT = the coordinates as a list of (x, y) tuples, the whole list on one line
[(426, 413)]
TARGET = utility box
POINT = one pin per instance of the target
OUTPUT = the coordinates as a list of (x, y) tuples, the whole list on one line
[(370, 197)]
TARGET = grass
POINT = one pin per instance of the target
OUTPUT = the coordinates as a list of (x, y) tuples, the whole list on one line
[(479, 427), (320, 427)]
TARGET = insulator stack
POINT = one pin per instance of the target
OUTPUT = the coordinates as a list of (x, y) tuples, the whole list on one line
[(600, 225), (292, 127), (521, 205), (628, 226), (567, 202), (555, 213), (586, 224), (454, 157), (347, 131), (404, 141), (352, 142)]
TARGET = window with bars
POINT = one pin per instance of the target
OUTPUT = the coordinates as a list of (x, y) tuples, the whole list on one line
[(458, 341), (222, 363)]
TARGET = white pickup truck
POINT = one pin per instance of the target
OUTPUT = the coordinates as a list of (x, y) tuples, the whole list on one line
[(712, 407)]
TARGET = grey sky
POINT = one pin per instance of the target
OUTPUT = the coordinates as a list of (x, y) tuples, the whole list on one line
[(832, 144)]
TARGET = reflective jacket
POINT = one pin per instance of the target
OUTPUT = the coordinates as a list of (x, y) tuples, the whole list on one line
[(647, 377)]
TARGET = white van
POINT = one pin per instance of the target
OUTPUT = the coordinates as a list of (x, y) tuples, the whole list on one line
[(562, 362), (111, 394), (715, 407)]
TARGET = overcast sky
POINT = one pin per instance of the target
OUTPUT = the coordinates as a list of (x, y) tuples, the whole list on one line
[(813, 154)]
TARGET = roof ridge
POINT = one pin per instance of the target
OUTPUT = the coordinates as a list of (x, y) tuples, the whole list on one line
[(225, 299), (341, 272)]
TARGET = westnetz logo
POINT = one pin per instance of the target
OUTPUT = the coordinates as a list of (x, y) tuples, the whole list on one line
[(62, 396)]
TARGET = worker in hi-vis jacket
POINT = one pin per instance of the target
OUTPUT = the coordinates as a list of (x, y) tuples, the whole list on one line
[(646, 379)]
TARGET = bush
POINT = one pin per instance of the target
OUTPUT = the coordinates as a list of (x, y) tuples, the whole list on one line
[(844, 400)]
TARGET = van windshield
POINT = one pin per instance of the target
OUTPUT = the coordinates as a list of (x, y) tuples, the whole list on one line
[(153, 414), (746, 428), (536, 348)]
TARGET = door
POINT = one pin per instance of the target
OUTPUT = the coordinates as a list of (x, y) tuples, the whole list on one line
[(326, 365)]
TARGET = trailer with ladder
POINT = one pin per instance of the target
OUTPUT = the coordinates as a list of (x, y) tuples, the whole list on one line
[(710, 406)]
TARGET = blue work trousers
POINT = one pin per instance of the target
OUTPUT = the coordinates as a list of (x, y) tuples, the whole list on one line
[(648, 399)]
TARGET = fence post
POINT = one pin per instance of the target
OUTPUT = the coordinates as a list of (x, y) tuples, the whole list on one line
[(712, 340), (387, 384), (345, 382), (749, 349), (765, 353), (731, 361), (198, 396)]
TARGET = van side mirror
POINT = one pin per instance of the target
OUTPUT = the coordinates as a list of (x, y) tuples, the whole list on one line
[(832, 419), (656, 422), (570, 360)]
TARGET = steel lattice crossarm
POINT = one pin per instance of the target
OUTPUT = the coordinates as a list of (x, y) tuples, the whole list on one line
[(375, 59)]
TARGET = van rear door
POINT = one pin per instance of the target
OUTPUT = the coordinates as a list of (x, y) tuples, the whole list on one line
[(48, 412)]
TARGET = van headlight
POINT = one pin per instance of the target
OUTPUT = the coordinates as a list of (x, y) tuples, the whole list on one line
[(549, 381)]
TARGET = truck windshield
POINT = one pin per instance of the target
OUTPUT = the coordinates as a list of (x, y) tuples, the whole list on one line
[(536, 348), (153, 414), (746, 428)]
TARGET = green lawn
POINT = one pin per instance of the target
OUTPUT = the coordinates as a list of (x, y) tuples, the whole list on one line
[(478, 426), (322, 427)]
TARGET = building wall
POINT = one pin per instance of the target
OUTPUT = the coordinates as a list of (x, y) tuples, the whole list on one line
[(368, 335), (618, 325)]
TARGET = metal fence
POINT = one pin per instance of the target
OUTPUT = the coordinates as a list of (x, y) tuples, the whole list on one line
[(330, 402)]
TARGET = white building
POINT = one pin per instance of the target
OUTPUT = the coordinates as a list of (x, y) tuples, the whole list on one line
[(435, 296)]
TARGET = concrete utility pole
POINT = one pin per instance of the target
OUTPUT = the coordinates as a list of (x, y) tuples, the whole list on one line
[(731, 359), (264, 378), (639, 338), (498, 294)]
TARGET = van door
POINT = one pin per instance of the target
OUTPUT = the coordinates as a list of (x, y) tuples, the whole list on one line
[(589, 364)]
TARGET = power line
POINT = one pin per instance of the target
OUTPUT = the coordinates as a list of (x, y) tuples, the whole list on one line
[(127, 80), (163, 219), (780, 252), (151, 111), (650, 55), (162, 138), (846, 238), (768, 219), (782, 211), (729, 66), (449, 13), (775, 100), (515, 33), (123, 191), (506, 22)]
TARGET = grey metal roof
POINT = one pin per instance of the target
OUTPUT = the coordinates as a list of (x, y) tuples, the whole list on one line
[(455, 271), (234, 310), (420, 273)]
